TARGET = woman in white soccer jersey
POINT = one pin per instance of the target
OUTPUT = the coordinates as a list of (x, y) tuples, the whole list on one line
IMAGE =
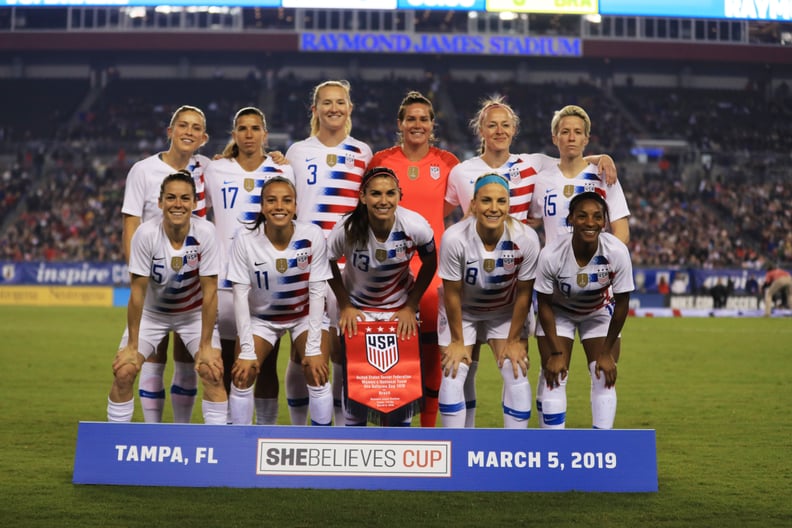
[(378, 239), (555, 188), (233, 191), (574, 174), (187, 133), (173, 269), (487, 263), (328, 167), (583, 283), (278, 268), (496, 124)]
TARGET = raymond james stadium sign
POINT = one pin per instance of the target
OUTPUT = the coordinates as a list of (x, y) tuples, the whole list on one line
[(440, 43)]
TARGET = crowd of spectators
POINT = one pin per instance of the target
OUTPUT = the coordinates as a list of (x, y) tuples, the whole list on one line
[(731, 215)]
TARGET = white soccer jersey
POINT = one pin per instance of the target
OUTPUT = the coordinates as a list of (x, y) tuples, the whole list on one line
[(489, 278), (174, 284), (327, 178), (554, 191), (519, 170), (234, 195), (143, 182), (581, 291), (279, 279), (378, 277)]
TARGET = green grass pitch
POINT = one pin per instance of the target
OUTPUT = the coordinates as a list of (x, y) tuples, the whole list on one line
[(717, 391)]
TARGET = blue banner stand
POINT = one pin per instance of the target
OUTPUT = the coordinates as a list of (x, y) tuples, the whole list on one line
[(375, 458)]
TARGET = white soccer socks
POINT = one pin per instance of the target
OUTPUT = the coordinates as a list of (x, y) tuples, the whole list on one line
[(183, 389), (296, 393), (603, 401), (452, 398), (152, 391), (516, 398)]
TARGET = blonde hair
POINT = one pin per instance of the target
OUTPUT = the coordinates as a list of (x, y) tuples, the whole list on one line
[(494, 101), (187, 108), (570, 110), (231, 150), (315, 99)]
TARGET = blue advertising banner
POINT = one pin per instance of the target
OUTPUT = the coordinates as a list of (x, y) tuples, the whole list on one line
[(741, 9), (64, 273), (372, 458)]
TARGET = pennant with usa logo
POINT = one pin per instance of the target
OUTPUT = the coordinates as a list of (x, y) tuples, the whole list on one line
[(383, 372)]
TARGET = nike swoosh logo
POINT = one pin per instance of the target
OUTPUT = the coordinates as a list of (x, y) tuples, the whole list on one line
[(309, 160), (259, 263), (471, 261), (159, 258), (228, 182)]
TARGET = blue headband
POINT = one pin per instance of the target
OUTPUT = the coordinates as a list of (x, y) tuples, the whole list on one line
[(489, 178)]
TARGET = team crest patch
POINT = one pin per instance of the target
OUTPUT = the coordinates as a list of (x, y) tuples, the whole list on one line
[(401, 250), (176, 263), (381, 255), (582, 279), (192, 258), (349, 161), (249, 184), (382, 351), (489, 265), (589, 187), (569, 190), (602, 275), (508, 262), (434, 172), (302, 259), (514, 173), (332, 159), (281, 265)]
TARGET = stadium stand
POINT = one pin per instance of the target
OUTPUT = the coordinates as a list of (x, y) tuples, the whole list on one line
[(719, 198)]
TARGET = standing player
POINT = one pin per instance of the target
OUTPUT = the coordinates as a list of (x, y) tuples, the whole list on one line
[(187, 133), (423, 171), (328, 167), (279, 270), (583, 283), (558, 184), (173, 287), (555, 188), (233, 191), (487, 263), (378, 240)]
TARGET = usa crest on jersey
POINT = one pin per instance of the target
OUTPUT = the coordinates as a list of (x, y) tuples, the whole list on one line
[(302, 258), (602, 275), (514, 173), (349, 161), (508, 261), (401, 250), (192, 258), (434, 172)]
